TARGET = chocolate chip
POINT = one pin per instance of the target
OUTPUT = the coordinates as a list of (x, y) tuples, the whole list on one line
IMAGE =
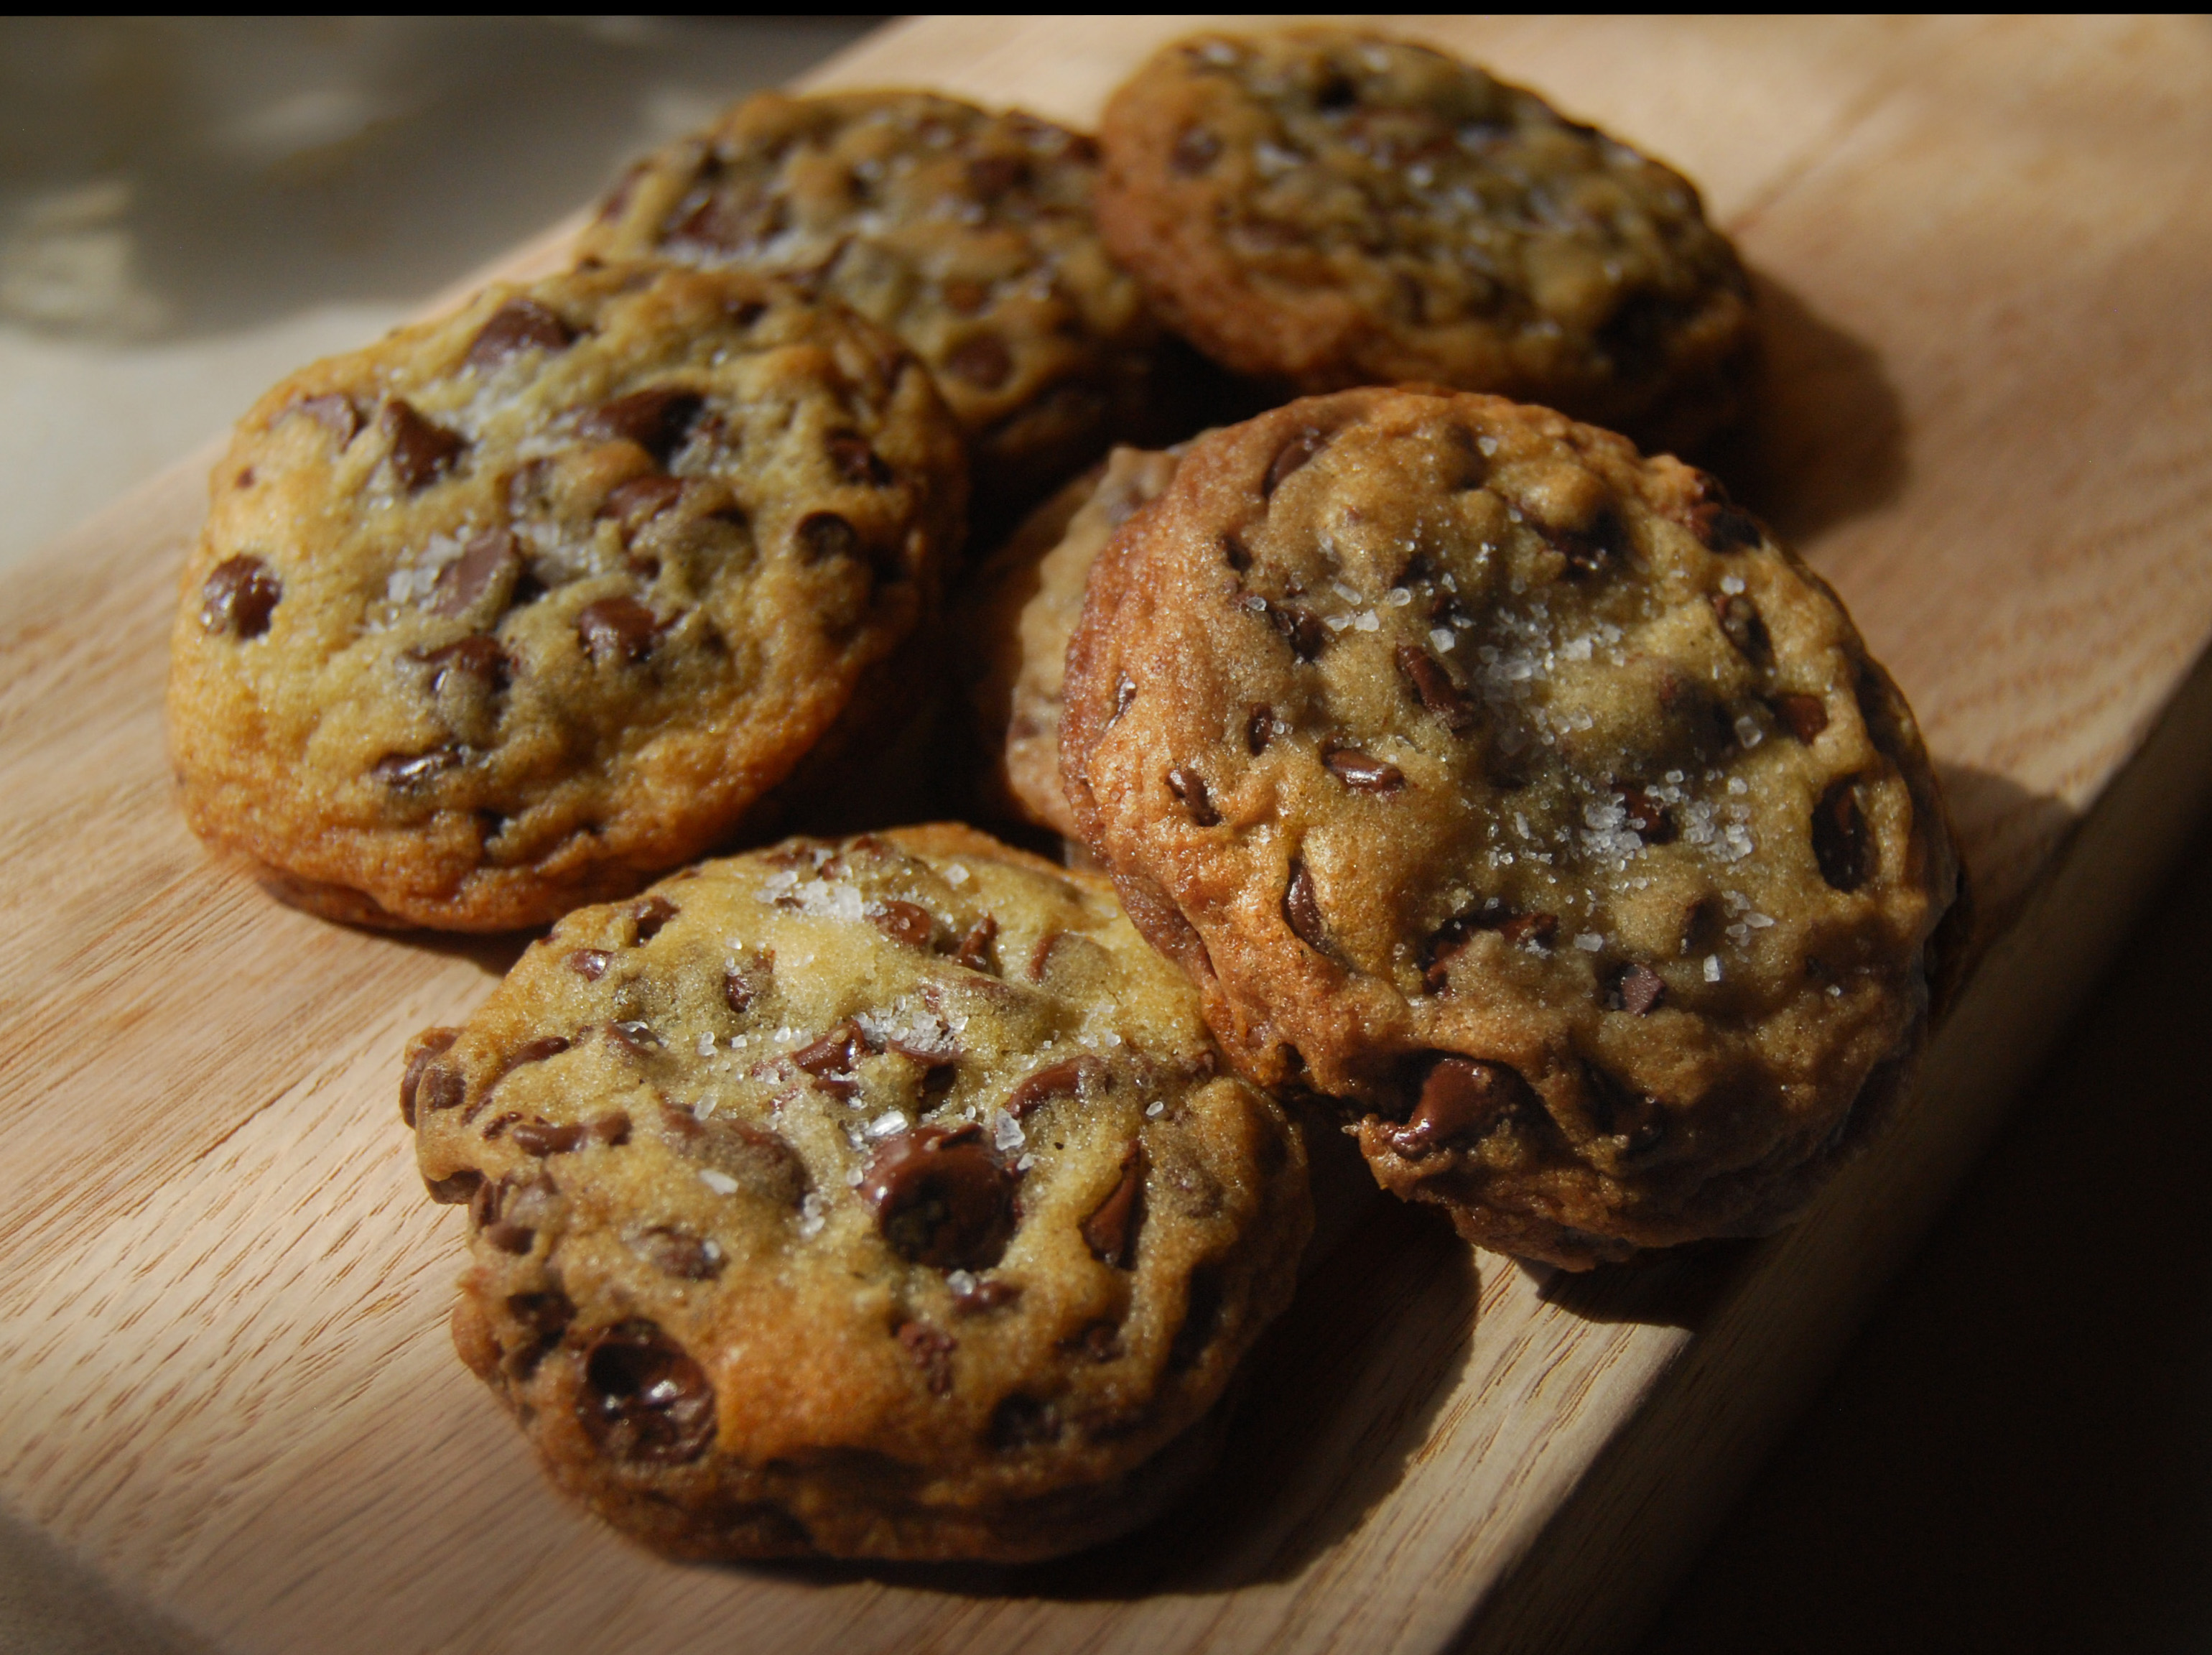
[(824, 534), (590, 963), (239, 597), (535, 1051), (678, 1253), (931, 1351), (408, 772), (1203, 1302), (831, 1060), (657, 420), (643, 1400), (1363, 773), (1652, 821), (638, 502), (456, 1190), (419, 1050), (1259, 729), (1099, 1341), (1125, 692), (517, 1239), (1189, 786), (1435, 688), (1194, 151), (730, 224), (1526, 929), (982, 359), (1739, 618), (1455, 933), (477, 661), (1805, 715), (1723, 528), (904, 922), (422, 451), (649, 915), (438, 1087), (1111, 1230), (1616, 1111), (1590, 548), (990, 177), (940, 1197), (617, 629), (1065, 1078), (1294, 453), (1302, 908), (1300, 627), (976, 951), (1461, 1099), (335, 413), (739, 990), (538, 1138), (1234, 553), (971, 1297), (1636, 989), (1023, 1422), (854, 461), (518, 326), (633, 1037), (546, 1313), (1841, 843)]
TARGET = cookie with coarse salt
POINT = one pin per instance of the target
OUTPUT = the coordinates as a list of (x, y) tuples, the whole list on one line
[(966, 231), (1522, 794), (519, 608), (1322, 207), (881, 1197)]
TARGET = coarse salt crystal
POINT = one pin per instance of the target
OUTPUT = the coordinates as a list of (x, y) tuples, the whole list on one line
[(1748, 733), (810, 1218), (721, 1183), (1442, 639), (1732, 584), (1713, 968), (1024, 1164), (1005, 1132), (1488, 445), (956, 876), (963, 1282), (1154, 1109), (706, 1045), (1365, 621), (1397, 597), (1590, 942)]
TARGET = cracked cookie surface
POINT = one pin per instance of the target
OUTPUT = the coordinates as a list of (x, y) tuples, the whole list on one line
[(1326, 207), (519, 608), (1520, 794), (968, 234), (881, 1197)]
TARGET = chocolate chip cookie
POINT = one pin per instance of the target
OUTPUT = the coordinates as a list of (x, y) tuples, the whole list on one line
[(517, 608), (1024, 605), (1523, 796), (1326, 207), (872, 1198), (968, 234)]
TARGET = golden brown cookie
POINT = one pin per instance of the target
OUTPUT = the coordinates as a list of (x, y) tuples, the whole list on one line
[(874, 1198), (1522, 795), (1326, 207), (968, 234), (1022, 604), (517, 608)]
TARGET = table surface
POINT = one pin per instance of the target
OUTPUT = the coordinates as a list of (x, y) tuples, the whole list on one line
[(1877, 1488)]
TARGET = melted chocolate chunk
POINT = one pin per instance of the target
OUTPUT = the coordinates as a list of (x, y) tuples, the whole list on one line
[(1590, 549), (1111, 1230), (977, 950), (1293, 454), (982, 360), (1740, 620), (1259, 729), (681, 1253), (476, 660), (1189, 786), (854, 461), (1065, 1078), (650, 916), (535, 1051), (438, 1087), (657, 420), (1805, 715), (1300, 627), (425, 1046), (632, 1037), (546, 1313), (832, 1059), (1841, 841), (516, 1238), (1302, 908), (1461, 1099), (538, 1138), (941, 1197), (990, 177), (1723, 528), (1618, 1112), (335, 413), (1023, 1422), (410, 772), (1435, 687), (1652, 822), (1529, 930), (1203, 1306), (638, 502), (1636, 989), (931, 1351), (905, 921), (971, 1297), (1196, 149), (1363, 773), (644, 1401), (590, 963), (617, 630), (240, 595), (456, 1190), (518, 326), (1100, 1341), (422, 452)]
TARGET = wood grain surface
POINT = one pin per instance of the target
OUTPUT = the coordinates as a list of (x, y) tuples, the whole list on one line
[(225, 1385)]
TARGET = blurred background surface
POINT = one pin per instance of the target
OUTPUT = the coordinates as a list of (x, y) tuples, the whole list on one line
[(2017, 1452)]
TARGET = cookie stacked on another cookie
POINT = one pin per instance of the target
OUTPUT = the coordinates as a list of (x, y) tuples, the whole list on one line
[(1519, 793), (881, 1198), (1329, 207), (968, 234), (518, 608)]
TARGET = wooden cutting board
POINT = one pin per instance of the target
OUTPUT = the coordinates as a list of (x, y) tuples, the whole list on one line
[(1985, 251)]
